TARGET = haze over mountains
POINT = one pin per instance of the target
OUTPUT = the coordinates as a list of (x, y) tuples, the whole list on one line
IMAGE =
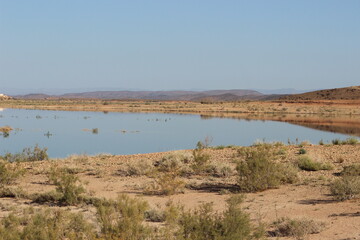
[(347, 93), (213, 95)]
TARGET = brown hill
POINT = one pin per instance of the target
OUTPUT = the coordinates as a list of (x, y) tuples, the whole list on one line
[(347, 93)]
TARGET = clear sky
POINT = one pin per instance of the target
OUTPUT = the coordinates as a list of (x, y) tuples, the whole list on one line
[(183, 44)]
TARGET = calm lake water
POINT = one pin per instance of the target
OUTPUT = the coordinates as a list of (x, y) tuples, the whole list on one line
[(65, 133)]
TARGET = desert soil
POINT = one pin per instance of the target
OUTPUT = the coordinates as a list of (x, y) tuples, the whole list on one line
[(309, 198)]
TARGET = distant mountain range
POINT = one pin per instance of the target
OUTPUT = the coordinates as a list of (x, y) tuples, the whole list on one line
[(212, 95), (348, 93)]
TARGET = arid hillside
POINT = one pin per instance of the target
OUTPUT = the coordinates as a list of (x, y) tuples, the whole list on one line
[(347, 93)]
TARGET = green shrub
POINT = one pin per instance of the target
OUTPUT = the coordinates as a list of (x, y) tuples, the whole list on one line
[(304, 143), (123, 218), (28, 155), (136, 168), (68, 185), (297, 228), (177, 161), (352, 170), (220, 170), (167, 183), (302, 151), (350, 141), (276, 149), (205, 224), (347, 187), (46, 225), (9, 173), (259, 172), (307, 164), (201, 159), (155, 215)]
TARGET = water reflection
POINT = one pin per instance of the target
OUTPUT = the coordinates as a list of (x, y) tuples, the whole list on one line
[(65, 133), (349, 125)]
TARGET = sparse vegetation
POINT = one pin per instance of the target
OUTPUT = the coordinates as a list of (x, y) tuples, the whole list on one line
[(69, 189), (221, 170), (138, 168), (123, 219), (258, 171), (46, 225), (302, 151), (203, 223), (167, 183), (9, 173), (28, 155), (296, 228), (346, 187), (248, 169), (352, 170), (201, 159), (307, 164), (177, 161), (348, 141)]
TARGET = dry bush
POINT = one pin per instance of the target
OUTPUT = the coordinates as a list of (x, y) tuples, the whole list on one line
[(46, 225), (28, 155), (167, 183), (69, 189), (136, 168), (297, 228), (123, 219), (201, 159), (308, 164), (259, 171), (346, 187), (220, 170), (9, 173), (177, 161), (351, 170), (205, 224)]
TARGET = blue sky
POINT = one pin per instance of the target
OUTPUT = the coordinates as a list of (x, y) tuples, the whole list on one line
[(187, 44)]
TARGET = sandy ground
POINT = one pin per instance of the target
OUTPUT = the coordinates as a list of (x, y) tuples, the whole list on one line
[(308, 198)]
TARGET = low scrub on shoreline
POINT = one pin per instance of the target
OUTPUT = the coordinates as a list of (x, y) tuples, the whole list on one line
[(28, 155)]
